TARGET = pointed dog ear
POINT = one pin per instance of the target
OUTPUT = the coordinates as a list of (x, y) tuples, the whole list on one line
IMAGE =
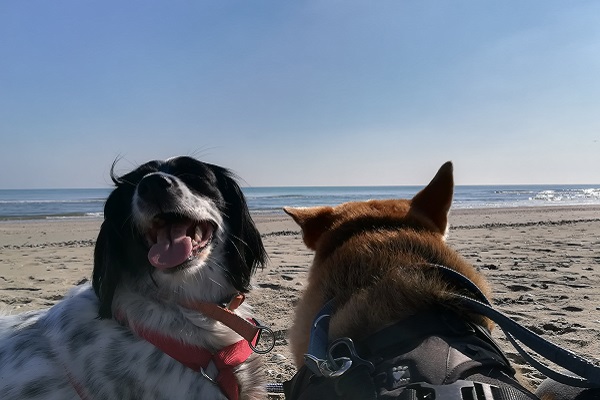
[(434, 201), (313, 221), (107, 268)]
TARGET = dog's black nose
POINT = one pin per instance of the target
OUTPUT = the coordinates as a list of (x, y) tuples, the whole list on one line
[(154, 183)]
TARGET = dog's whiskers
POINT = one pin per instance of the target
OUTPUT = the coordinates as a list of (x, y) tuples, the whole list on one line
[(218, 265), (144, 273), (235, 245), (216, 283), (126, 221)]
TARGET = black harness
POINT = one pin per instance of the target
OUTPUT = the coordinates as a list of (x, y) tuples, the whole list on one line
[(436, 355)]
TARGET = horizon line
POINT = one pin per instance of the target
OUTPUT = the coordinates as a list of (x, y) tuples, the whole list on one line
[(327, 186)]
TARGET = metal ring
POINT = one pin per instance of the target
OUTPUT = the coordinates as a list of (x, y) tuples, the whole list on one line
[(347, 343), (354, 357), (340, 366), (271, 345), (208, 377)]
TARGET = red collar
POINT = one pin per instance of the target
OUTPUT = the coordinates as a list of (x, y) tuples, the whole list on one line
[(198, 358)]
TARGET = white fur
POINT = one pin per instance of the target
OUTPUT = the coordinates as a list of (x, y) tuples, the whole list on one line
[(67, 352), (47, 361)]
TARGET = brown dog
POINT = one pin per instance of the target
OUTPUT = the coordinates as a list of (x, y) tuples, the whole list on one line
[(374, 260)]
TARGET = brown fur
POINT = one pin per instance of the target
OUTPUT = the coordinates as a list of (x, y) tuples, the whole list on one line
[(372, 258)]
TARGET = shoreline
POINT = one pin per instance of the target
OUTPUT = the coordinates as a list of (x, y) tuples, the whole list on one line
[(542, 263), (258, 213)]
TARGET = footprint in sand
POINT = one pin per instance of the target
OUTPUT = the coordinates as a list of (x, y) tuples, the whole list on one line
[(572, 308), (518, 288)]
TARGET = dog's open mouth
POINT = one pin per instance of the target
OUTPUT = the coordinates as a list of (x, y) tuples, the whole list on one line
[(175, 239)]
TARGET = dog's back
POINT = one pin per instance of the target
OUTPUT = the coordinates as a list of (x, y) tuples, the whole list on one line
[(373, 257), (386, 282)]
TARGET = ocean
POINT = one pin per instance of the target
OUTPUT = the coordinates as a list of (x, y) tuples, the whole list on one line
[(16, 204)]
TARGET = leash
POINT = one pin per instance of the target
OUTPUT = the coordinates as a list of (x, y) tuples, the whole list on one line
[(248, 329), (588, 373)]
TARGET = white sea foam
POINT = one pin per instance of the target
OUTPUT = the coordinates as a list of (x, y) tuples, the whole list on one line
[(569, 196), (78, 203)]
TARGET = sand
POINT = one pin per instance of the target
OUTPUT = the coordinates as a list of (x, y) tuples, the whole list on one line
[(543, 265)]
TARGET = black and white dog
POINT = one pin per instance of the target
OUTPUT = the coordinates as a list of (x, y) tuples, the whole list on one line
[(176, 233)]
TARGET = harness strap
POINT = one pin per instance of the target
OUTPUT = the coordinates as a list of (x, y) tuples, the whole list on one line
[(315, 358), (347, 374), (319, 333), (461, 390), (198, 358), (225, 360), (356, 384), (419, 326)]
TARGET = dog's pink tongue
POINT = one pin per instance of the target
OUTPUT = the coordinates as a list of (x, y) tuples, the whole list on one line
[(172, 247)]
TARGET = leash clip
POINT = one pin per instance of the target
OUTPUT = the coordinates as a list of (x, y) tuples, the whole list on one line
[(333, 366), (330, 368), (355, 359)]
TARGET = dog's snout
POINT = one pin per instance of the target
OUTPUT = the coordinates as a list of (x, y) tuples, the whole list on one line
[(154, 183)]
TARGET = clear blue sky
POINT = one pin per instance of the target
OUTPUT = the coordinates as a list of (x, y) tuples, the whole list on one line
[(311, 92)]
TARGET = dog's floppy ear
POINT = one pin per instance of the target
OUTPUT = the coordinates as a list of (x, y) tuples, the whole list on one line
[(107, 271), (111, 245), (245, 245), (313, 221), (434, 201)]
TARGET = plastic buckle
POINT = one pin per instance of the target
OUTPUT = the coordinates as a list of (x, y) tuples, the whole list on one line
[(459, 390)]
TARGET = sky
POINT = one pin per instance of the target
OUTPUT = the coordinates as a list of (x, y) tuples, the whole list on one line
[(307, 92)]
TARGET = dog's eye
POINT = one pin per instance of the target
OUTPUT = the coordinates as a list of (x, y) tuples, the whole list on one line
[(194, 181), (200, 184), (189, 177)]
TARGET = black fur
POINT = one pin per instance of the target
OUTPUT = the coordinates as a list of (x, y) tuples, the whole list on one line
[(120, 249)]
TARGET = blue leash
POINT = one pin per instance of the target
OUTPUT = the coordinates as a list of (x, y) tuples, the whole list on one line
[(588, 373)]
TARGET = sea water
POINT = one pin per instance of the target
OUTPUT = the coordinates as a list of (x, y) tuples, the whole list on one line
[(52, 203), (89, 203)]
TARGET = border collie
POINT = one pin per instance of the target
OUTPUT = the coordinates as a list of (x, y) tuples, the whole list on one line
[(177, 235)]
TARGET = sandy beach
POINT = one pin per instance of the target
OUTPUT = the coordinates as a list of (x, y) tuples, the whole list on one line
[(543, 265)]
